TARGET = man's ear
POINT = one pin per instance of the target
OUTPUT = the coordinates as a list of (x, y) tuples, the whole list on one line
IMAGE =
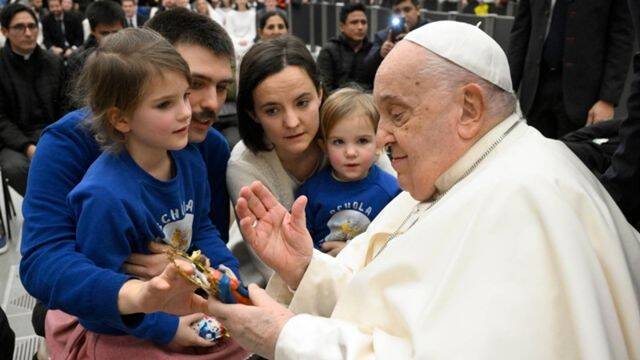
[(4, 31), (473, 111), (119, 121)]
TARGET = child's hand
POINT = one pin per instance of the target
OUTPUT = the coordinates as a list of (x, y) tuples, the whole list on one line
[(169, 292), (186, 336), (145, 266), (333, 248)]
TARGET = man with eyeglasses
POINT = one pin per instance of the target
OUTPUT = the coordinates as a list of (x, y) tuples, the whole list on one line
[(385, 39), (31, 81), (341, 60)]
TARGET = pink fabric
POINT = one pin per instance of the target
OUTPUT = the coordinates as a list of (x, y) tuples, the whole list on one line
[(68, 340)]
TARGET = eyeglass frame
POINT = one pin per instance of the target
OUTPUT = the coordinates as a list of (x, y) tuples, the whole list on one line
[(22, 27)]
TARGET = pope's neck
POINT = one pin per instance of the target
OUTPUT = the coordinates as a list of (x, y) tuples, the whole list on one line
[(481, 148), (301, 166)]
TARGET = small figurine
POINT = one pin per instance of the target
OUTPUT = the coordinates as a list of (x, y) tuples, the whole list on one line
[(209, 329), (221, 282)]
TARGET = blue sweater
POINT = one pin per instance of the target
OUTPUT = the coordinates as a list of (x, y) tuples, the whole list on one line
[(118, 208), (51, 269), (341, 210)]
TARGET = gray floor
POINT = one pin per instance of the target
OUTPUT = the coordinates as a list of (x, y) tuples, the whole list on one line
[(13, 298)]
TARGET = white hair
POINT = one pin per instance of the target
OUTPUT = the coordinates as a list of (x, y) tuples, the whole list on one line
[(450, 76)]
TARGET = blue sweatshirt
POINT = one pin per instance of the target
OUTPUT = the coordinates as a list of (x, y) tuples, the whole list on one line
[(118, 208), (52, 270), (340, 210)]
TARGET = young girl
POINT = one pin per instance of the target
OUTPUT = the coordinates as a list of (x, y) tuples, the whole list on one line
[(348, 194), (148, 185)]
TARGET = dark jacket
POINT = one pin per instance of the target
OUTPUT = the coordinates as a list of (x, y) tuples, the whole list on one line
[(597, 51), (339, 65), (30, 96), (622, 179), (74, 66), (373, 59), (53, 36), (140, 20)]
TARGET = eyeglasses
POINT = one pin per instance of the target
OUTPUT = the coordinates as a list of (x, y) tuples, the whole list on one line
[(23, 27)]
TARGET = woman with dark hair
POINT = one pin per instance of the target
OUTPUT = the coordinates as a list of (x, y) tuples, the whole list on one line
[(272, 24), (278, 101)]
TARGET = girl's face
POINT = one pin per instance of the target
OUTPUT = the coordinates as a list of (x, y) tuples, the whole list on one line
[(351, 147), (273, 28), (161, 120), (287, 105)]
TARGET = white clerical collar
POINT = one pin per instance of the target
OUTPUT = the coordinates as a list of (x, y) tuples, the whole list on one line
[(458, 169)]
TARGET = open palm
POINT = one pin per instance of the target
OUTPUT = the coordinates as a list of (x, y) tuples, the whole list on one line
[(280, 238)]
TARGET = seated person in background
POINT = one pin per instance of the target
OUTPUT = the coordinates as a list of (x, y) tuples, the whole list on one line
[(385, 39), (146, 186), (62, 30), (31, 82), (349, 193), (267, 7), (241, 27), (272, 24), (341, 60), (134, 19), (105, 17), (203, 7)]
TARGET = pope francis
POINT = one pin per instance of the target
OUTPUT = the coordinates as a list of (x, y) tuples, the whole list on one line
[(503, 245)]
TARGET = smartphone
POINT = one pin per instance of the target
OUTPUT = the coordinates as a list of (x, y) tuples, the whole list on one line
[(396, 25)]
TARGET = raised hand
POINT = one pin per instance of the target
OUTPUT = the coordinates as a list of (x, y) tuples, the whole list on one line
[(280, 238)]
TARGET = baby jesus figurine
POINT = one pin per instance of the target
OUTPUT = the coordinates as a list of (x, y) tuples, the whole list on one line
[(220, 283)]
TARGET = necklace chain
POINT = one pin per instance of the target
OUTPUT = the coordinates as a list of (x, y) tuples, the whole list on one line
[(422, 207)]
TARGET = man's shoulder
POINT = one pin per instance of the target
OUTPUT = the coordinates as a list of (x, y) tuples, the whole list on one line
[(51, 62), (72, 122), (215, 140)]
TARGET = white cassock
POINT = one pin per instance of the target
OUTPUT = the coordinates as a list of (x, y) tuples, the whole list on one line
[(527, 257)]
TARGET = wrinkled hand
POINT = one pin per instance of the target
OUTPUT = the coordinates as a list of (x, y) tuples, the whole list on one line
[(279, 238), (256, 327), (186, 336), (146, 266), (333, 248), (169, 292), (600, 111)]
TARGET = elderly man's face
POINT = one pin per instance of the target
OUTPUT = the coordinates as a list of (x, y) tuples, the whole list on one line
[(417, 121)]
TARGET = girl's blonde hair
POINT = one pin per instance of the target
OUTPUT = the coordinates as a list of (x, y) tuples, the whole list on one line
[(117, 75), (344, 103)]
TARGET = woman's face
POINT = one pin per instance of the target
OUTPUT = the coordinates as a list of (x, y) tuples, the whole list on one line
[(273, 28), (287, 105)]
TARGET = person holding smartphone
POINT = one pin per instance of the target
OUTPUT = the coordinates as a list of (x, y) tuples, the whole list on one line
[(406, 18)]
